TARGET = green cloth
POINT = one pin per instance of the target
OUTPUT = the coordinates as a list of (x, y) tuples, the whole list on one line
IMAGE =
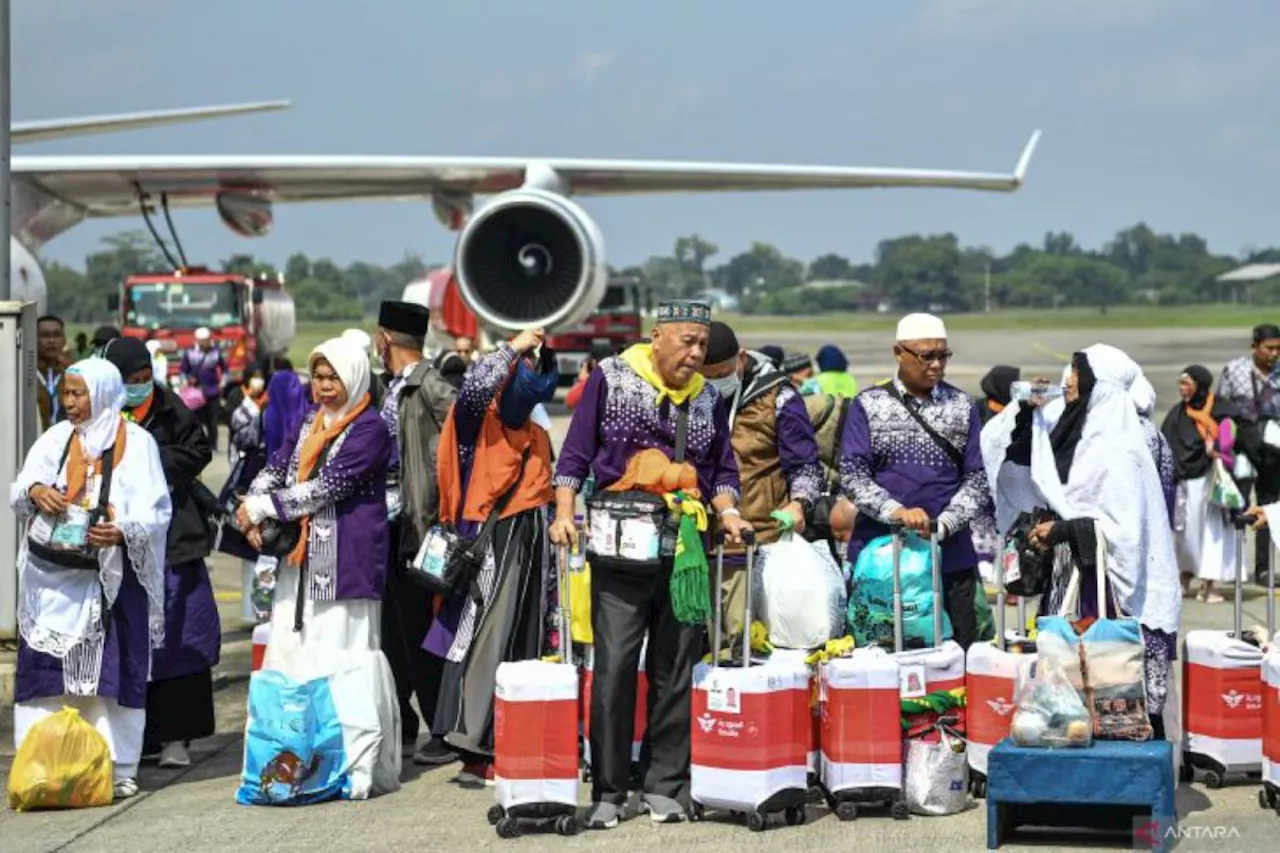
[(690, 581), (838, 383), (982, 610)]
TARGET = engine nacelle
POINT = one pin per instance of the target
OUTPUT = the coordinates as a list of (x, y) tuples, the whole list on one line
[(531, 258)]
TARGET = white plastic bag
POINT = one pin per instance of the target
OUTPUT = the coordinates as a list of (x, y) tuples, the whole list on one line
[(937, 775), (799, 592), (1050, 712)]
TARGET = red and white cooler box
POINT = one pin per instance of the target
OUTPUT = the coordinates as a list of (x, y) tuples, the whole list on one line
[(861, 721), (1222, 700), (642, 705), (751, 733), (925, 671), (798, 656), (535, 734), (1271, 716), (992, 681)]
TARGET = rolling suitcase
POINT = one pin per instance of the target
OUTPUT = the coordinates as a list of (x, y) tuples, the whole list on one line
[(1222, 692), (863, 743), (993, 673), (535, 735), (749, 740)]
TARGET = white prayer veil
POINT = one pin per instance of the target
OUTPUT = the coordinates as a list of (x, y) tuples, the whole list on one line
[(106, 400), (1114, 480), (351, 363)]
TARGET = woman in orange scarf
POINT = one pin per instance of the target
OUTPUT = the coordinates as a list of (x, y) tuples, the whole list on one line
[(330, 479), (86, 630), (490, 447), (1203, 538)]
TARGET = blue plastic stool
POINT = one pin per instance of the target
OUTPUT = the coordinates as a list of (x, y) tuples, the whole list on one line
[(1022, 782)]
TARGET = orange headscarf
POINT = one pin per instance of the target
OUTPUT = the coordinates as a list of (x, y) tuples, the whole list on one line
[(499, 452), (312, 446)]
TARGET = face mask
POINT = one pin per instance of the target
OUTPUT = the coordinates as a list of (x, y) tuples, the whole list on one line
[(256, 384), (135, 394), (726, 385)]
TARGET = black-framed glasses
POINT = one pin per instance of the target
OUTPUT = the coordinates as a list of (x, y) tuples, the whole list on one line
[(942, 356)]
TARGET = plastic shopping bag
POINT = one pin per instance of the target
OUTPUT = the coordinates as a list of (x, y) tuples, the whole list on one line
[(799, 591), (871, 604), (937, 775), (1050, 711), (63, 763)]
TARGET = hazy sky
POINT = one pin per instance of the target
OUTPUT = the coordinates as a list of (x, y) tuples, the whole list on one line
[(1156, 110)]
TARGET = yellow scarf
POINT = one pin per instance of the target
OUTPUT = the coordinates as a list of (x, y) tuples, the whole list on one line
[(639, 357)]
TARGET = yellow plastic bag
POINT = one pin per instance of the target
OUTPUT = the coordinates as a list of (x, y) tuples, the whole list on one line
[(580, 601), (63, 763)]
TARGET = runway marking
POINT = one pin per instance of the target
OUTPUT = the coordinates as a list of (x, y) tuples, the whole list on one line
[(1041, 348), (228, 597)]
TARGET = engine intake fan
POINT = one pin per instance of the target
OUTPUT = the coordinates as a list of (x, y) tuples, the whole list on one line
[(531, 258)]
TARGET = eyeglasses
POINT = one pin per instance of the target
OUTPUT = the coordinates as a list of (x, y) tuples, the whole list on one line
[(942, 356)]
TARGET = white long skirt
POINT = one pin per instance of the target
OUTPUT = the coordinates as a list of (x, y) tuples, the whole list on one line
[(121, 728), (335, 636), (1206, 544)]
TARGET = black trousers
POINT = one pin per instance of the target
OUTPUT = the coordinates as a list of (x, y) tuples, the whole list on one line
[(958, 591), (624, 605), (209, 415), (406, 617), (179, 710)]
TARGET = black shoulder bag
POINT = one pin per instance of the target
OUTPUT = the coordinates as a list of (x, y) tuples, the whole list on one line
[(633, 530), (952, 452), (85, 557), (449, 565)]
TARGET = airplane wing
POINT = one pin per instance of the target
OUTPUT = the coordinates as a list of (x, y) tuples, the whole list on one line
[(45, 130), (109, 185)]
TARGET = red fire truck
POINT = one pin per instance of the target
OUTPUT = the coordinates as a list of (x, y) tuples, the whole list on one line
[(616, 323), (248, 316)]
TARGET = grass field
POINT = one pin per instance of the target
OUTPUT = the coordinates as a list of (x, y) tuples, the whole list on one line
[(1126, 317)]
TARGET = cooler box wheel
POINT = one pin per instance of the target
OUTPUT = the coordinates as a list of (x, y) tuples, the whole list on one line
[(495, 814), (756, 822), (1213, 779), (508, 827), (567, 824), (899, 810), (847, 811)]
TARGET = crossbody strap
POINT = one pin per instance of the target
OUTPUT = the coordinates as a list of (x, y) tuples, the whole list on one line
[(952, 452), (682, 434), (108, 463)]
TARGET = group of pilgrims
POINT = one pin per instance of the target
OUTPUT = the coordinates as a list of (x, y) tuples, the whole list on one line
[(362, 464)]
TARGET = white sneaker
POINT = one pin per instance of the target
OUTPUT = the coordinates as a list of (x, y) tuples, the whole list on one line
[(124, 789), (174, 755)]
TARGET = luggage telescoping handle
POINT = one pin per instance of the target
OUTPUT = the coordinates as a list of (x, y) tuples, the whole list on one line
[(899, 532), (1242, 523), (717, 631), (564, 611)]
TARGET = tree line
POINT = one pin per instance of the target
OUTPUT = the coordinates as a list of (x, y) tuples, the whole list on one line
[(912, 272)]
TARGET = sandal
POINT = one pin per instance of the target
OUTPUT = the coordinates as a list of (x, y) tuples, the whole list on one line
[(125, 788)]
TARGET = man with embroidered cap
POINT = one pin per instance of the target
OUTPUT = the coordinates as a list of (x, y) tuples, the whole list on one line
[(911, 454), (414, 407), (656, 436), (777, 454)]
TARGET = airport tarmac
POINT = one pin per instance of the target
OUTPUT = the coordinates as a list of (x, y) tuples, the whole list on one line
[(194, 810)]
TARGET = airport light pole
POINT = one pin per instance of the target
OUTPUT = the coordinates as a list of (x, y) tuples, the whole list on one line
[(6, 89)]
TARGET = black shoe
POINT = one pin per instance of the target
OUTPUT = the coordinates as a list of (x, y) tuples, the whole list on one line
[(434, 753)]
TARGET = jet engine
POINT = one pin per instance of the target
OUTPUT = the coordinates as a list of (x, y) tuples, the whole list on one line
[(531, 258)]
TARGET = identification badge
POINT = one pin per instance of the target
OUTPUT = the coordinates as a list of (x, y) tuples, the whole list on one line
[(638, 540), (911, 683), (41, 529), (723, 699), (432, 556), (1011, 566), (72, 530), (603, 534)]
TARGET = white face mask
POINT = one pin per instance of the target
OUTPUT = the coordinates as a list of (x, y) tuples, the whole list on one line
[(727, 385)]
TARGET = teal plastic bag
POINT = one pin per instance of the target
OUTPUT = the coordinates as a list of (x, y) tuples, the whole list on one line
[(871, 601)]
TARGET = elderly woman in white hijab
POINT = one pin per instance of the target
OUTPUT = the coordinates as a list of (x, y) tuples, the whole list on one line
[(1094, 466), (319, 507), (94, 506)]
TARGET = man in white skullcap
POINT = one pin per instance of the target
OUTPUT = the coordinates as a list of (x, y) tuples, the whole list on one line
[(204, 367), (911, 454)]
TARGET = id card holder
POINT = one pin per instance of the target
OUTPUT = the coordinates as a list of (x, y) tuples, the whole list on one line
[(71, 533)]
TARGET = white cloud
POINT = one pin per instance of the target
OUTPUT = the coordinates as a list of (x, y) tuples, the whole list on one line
[(589, 65), (1005, 18)]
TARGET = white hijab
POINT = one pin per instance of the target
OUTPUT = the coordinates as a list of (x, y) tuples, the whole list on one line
[(106, 400), (352, 366), (1143, 394), (1114, 480)]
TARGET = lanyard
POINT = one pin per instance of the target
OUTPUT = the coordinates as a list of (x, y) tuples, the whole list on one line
[(51, 381)]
